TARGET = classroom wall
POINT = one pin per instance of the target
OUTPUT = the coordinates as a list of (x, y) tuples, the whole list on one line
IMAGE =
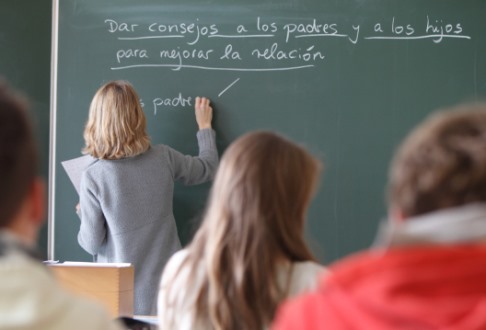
[(25, 48)]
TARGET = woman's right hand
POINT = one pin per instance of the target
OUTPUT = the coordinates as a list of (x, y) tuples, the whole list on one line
[(204, 112)]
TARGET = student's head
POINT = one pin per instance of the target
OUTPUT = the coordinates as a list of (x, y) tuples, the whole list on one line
[(116, 126), (254, 223), (441, 164), (260, 195), (21, 191)]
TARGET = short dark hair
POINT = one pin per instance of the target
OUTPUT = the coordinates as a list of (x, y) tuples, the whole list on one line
[(442, 163), (18, 153)]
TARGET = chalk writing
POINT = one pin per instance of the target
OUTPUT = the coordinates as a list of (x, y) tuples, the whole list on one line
[(229, 86), (282, 52), (179, 100), (261, 44), (177, 67), (436, 30)]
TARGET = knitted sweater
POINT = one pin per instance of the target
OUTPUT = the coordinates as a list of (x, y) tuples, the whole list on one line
[(126, 210)]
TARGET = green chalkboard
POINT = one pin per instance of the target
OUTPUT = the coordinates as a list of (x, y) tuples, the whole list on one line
[(345, 78), (25, 38)]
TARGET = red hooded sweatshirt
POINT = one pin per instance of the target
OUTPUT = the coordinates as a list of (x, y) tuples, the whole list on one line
[(429, 287)]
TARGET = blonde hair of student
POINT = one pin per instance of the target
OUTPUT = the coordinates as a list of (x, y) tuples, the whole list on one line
[(254, 222), (442, 163), (116, 127)]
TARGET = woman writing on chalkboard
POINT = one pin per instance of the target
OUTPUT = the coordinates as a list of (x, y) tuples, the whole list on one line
[(126, 195), (249, 253)]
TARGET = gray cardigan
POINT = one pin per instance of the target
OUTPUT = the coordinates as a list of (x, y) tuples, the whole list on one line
[(126, 210)]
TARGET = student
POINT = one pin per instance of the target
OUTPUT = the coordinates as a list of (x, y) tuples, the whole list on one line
[(126, 195), (250, 252), (30, 297), (429, 271)]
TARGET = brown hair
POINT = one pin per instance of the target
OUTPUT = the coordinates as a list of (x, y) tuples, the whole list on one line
[(18, 154), (116, 126), (254, 221), (442, 163)]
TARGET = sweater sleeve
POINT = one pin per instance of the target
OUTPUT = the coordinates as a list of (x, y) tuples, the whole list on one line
[(92, 231), (194, 170)]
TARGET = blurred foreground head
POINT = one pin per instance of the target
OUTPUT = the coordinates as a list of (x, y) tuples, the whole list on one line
[(261, 193), (18, 155), (441, 164)]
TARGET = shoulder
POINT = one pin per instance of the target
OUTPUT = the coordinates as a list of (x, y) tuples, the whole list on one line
[(159, 148), (33, 288), (174, 264), (161, 151), (306, 311), (175, 302), (308, 267), (179, 256), (305, 276), (93, 171), (305, 305), (172, 285)]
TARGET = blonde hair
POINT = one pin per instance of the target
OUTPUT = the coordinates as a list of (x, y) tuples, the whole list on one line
[(254, 221), (116, 127), (442, 163)]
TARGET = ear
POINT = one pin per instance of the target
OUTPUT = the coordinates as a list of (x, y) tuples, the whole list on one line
[(37, 202), (30, 217), (396, 215)]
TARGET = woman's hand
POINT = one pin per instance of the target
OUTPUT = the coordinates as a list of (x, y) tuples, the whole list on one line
[(204, 112)]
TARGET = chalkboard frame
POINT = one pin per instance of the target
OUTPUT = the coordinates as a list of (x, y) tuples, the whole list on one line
[(51, 221)]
